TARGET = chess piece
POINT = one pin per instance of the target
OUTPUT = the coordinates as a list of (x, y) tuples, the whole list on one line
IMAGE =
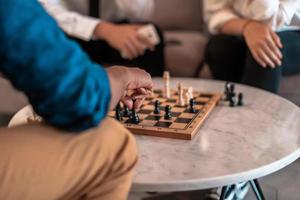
[(232, 100), (156, 107), (166, 78), (118, 114), (126, 112), (192, 104), (168, 114), (240, 99), (226, 92), (231, 90), (190, 92), (134, 118), (180, 95)]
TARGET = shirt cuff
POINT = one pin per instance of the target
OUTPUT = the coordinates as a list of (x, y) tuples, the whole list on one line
[(85, 28), (219, 19)]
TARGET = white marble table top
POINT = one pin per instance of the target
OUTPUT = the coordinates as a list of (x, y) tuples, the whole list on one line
[(233, 145)]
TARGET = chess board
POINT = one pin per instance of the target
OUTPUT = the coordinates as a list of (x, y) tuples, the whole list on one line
[(183, 125)]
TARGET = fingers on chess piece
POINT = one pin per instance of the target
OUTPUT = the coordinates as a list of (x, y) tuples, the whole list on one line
[(134, 118), (156, 107), (168, 114), (192, 104)]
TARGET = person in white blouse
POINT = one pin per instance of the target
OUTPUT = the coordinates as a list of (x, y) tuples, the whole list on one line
[(110, 31), (254, 42)]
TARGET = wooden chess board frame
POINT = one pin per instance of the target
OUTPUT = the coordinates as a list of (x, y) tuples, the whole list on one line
[(205, 103)]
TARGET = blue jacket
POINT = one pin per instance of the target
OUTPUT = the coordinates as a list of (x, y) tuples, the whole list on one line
[(60, 81)]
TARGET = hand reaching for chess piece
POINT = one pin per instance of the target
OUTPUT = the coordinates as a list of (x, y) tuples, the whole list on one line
[(128, 84)]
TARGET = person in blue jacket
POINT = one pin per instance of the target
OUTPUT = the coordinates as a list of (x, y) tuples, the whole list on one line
[(79, 154)]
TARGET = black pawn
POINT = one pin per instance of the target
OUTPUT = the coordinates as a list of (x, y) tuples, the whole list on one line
[(134, 117), (240, 99), (192, 104), (118, 114), (126, 112), (168, 114), (156, 108)]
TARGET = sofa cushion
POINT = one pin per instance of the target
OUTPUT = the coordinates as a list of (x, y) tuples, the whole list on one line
[(178, 14), (184, 52)]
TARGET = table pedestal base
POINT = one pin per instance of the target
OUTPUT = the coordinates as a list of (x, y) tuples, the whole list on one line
[(254, 185)]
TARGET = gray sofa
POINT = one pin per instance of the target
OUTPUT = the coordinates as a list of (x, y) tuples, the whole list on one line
[(185, 34)]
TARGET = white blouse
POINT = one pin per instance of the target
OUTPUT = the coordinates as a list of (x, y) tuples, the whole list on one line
[(72, 15), (278, 14)]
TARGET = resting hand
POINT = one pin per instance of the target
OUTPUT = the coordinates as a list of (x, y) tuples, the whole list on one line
[(123, 38), (263, 43)]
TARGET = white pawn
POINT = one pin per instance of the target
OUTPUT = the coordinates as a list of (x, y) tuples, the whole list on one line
[(190, 91), (166, 92)]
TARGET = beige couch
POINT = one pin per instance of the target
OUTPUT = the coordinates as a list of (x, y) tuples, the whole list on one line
[(185, 35)]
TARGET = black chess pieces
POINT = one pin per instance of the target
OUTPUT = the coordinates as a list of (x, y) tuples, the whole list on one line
[(156, 107), (134, 118), (240, 99), (192, 104), (126, 112), (118, 114), (168, 114)]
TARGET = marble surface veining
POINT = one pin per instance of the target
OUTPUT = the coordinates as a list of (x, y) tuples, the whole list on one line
[(234, 144)]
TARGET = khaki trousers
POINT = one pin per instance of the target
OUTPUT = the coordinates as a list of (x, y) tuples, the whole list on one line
[(38, 162)]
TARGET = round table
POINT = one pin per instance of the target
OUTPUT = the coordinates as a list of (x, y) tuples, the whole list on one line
[(234, 144)]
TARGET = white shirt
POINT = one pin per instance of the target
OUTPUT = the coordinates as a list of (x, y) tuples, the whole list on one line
[(277, 14), (72, 15)]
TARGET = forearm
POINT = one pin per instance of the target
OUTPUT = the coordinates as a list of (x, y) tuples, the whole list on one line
[(234, 27)]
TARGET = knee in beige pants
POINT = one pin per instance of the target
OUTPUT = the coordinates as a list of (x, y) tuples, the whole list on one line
[(41, 162)]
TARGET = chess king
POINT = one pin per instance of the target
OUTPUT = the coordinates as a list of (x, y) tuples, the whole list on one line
[(79, 152)]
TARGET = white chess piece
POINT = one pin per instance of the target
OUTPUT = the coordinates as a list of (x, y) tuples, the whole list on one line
[(180, 95), (166, 78), (190, 92)]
